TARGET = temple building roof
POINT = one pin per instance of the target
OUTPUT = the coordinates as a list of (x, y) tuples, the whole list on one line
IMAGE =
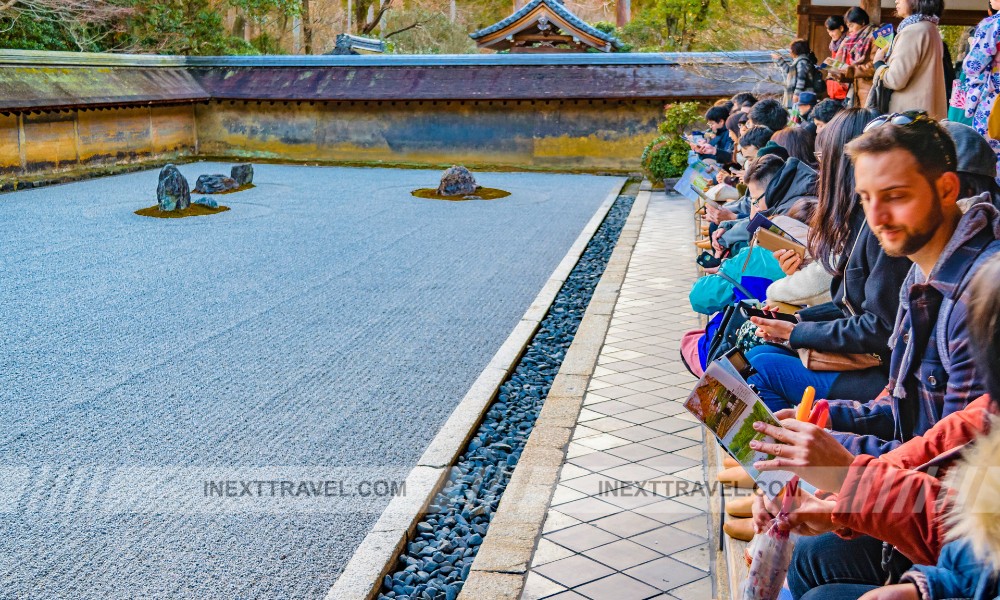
[(544, 26)]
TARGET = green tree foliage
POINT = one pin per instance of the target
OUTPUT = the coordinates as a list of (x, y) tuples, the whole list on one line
[(423, 31)]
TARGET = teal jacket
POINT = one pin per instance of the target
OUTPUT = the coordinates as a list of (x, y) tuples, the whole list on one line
[(712, 293)]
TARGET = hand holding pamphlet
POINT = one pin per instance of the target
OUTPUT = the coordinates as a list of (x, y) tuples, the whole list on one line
[(884, 35), (725, 404)]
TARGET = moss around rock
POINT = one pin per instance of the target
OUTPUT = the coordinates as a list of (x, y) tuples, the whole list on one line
[(194, 210), (481, 194)]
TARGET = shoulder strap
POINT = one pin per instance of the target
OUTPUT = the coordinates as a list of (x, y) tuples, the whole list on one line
[(736, 284)]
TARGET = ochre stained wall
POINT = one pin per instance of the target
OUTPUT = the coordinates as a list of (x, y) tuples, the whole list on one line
[(38, 145), (559, 135)]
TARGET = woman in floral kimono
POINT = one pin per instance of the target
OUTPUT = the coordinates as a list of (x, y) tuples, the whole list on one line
[(982, 73)]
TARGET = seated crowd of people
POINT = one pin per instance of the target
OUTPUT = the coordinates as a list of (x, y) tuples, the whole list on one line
[(886, 302)]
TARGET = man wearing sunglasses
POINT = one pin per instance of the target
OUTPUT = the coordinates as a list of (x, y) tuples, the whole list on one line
[(907, 183)]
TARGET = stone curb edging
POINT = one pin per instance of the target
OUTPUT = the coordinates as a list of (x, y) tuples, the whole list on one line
[(378, 552), (503, 560)]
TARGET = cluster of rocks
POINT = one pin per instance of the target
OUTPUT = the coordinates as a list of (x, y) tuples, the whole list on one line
[(239, 176), (438, 559), (457, 181), (173, 192)]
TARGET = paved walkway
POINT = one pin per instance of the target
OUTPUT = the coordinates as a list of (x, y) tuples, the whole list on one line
[(623, 522)]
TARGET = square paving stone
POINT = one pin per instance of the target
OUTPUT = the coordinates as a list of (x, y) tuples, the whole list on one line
[(636, 433), (590, 509), (667, 442), (629, 497), (668, 424), (564, 494), (617, 586), (548, 551), (608, 424), (622, 554), (631, 473), (639, 416), (665, 573), (537, 587), (635, 452), (626, 524), (696, 557), (697, 525), (574, 571), (670, 463), (610, 408), (582, 537), (644, 385), (598, 461), (555, 520), (569, 595), (604, 441), (594, 483), (669, 512), (668, 540), (581, 431), (571, 471), (696, 590)]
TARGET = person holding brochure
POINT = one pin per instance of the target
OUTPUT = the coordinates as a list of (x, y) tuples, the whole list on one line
[(889, 498)]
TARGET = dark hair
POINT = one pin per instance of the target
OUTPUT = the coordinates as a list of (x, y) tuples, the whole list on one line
[(858, 16), (984, 326), (803, 210), (926, 7), (835, 22), (762, 170), (799, 48), (826, 109), (743, 98), (831, 227), (757, 136), (734, 121), (973, 184), (800, 143), (717, 113), (929, 143), (769, 113)]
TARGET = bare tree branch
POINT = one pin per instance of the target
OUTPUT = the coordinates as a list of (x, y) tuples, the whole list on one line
[(407, 28)]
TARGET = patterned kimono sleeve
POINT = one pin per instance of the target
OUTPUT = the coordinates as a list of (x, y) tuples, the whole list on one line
[(979, 63)]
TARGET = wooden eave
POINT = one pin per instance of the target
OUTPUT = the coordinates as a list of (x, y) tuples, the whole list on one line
[(530, 20)]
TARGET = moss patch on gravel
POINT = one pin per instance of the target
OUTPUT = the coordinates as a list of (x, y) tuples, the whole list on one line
[(481, 194), (195, 210), (245, 186)]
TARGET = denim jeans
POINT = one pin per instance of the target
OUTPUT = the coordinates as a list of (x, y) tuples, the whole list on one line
[(781, 378), (823, 560), (839, 591)]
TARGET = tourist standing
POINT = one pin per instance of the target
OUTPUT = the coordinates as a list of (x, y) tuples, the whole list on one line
[(913, 67), (858, 52), (837, 30), (800, 73), (982, 74)]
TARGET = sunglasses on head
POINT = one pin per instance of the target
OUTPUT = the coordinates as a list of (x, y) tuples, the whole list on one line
[(899, 119)]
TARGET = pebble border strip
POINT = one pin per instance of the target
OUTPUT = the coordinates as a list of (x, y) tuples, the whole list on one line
[(437, 561)]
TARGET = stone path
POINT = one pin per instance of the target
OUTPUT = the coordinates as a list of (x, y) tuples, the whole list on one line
[(626, 521)]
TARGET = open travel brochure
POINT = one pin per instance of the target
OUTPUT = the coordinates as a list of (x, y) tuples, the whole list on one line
[(725, 404), (698, 175)]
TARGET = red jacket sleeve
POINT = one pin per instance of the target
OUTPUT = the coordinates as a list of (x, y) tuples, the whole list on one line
[(884, 498)]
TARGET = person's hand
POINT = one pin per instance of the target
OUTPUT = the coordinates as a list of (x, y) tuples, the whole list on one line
[(706, 149), (901, 591), (773, 330), (775, 56), (805, 449), (809, 514), (720, 177), (785, 413), (788, 260), (879, 55), (715, 241), (718, 215)]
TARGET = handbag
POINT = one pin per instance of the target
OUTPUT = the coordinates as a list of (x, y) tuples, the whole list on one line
[(817, 360), (880, 95)]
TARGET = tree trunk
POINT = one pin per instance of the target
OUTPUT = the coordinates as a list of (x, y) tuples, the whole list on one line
[(307, 29)]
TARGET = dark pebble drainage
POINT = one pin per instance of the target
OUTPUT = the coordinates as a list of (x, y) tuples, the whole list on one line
[(437, 561)]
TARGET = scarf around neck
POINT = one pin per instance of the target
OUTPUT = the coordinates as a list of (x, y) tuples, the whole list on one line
[(910, 20)]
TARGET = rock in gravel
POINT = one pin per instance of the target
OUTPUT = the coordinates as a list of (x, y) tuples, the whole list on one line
[(206, 201), (172, 191), (457, 181), (243, 174), (213, 184)]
